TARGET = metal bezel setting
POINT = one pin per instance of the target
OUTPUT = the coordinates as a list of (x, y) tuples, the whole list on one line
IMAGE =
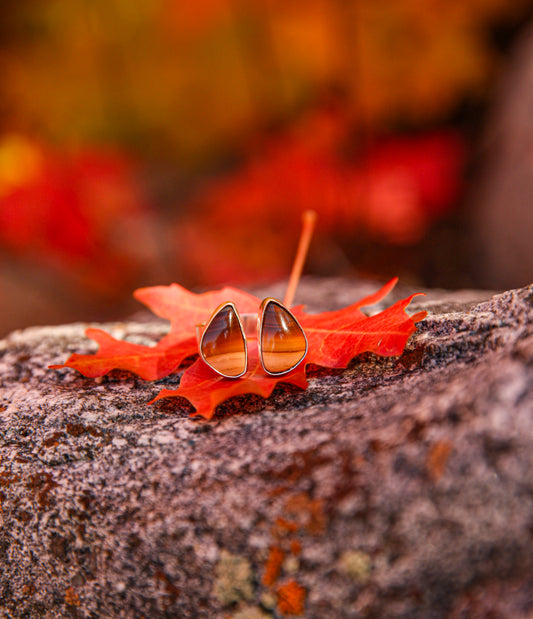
[(206, 328), (262, 309)]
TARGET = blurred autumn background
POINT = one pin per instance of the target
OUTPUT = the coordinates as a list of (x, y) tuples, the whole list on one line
[(161, 140)]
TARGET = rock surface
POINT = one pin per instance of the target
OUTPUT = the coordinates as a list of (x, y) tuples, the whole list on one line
[(396, 488)]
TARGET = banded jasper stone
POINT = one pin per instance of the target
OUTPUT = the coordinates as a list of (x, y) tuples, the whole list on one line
[(283, 342), (223, 345)]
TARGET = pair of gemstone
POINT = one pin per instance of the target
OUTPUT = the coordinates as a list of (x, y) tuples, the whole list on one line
[(281, 340)]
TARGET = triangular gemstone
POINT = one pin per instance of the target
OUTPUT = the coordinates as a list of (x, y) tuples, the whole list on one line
[(283, 343), (223, 345)]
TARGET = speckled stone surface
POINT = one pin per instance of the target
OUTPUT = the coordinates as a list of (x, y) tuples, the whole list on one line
[(396, 488)]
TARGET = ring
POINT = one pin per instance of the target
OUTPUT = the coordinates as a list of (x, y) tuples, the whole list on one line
[(281, 342)]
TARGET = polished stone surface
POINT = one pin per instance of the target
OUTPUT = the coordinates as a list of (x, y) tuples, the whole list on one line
[(283, 342), (223, 345)]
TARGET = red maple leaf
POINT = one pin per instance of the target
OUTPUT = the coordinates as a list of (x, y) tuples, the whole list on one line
[(334, 339), (148, 362), (184, 309), (205, 389)]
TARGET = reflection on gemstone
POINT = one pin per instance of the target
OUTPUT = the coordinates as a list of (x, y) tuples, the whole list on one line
[(223, 345), (283, 342)]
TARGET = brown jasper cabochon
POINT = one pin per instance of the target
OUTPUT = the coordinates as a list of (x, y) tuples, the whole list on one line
[(223, 346), (283, 342)]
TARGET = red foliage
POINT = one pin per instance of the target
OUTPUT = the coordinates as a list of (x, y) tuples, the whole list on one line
[(205, 389), (337, 337), (334, 339), (184, 309), (391, 192), (150, 363), (66, 210)]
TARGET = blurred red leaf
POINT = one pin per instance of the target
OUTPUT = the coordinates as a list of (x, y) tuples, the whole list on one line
[(64, 210), (334, 339), (391, 192)]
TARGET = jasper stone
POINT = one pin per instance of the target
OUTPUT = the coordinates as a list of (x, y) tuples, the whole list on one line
[(283, 342), (223, 345)]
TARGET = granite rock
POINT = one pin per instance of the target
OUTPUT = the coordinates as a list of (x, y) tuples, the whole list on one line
[(398, 487)]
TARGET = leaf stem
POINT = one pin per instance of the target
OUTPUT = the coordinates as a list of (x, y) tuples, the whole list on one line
[(308, 226)]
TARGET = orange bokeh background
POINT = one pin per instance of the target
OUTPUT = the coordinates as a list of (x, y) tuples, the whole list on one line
[(163, 140)]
